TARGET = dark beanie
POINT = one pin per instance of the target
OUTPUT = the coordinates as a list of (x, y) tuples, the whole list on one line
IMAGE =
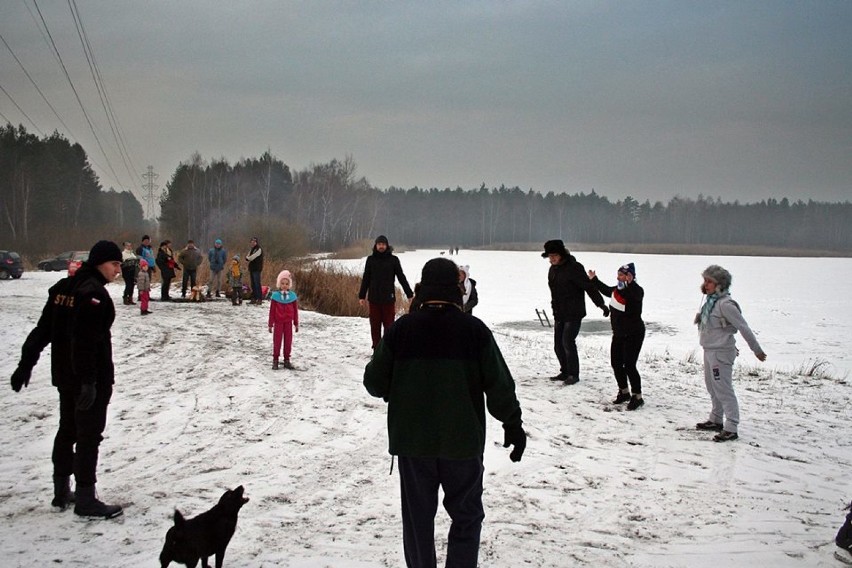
[(440, 281), (104, 251), (382, 239)]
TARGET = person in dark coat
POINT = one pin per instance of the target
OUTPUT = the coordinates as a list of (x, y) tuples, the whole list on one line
[(76, 322), (255, 267), (436, 367), (628, 332), (568, 283), (167, 264), (378, 287)]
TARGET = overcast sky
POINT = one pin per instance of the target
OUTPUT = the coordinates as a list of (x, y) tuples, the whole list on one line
[(740, 100)]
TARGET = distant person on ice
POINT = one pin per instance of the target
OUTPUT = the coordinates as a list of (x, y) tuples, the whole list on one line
[(628, 332), (283, 318), (76, 322), (435, 367), (379, 289), (568, 283), (718, 321)]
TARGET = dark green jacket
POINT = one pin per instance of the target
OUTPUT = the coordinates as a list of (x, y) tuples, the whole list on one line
[(438, 368)]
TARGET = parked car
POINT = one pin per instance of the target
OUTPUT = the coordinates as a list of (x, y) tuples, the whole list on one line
[(74, 263), (11, 265), (61, 261)]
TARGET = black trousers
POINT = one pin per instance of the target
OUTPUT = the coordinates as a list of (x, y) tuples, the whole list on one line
[(461, 481), (565, 346), (129, 276), (83, 429), (164, 287), (623, 355)]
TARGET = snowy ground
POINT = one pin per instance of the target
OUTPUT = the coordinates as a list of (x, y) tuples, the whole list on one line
[(197, 409)]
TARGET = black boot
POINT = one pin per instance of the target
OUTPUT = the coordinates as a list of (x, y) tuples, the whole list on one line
[(88, 505), (62, 494)]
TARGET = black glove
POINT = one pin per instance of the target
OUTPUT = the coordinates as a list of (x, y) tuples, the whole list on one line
[(21, 378), (515, 436), (87, 395), (605, 310)]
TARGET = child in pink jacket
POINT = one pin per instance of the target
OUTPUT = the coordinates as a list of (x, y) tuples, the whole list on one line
[(283, 318)]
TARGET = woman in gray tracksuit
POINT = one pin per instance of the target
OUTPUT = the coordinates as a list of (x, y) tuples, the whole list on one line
[(718, 321)]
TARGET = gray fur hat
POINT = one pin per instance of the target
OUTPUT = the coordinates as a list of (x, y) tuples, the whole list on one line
[(719, 275)]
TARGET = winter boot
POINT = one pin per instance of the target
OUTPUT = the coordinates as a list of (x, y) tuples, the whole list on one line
[(571, 380), (635, 402), (621, 397), (62, 494), (288, 364), (88, 505), (275, 364)]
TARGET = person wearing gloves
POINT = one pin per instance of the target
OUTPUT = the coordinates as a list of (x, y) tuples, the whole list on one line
[(76, 322), (719, 319), (568, 283), (283, 318), (470, 297), (435, 367), (628, 332)]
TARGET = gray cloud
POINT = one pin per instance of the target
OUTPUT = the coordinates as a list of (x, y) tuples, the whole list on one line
[(742, 100)]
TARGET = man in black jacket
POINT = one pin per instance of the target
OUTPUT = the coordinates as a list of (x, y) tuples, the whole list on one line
[(76, 321), (378, 287), (568, 282)]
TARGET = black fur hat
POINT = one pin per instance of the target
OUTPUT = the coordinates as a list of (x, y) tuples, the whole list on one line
[(555, 246)]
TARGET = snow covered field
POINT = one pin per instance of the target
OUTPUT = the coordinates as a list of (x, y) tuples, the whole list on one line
[(197, 409)]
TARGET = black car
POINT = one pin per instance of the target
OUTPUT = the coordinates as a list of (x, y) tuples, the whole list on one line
[(11, 265), (61, 262)]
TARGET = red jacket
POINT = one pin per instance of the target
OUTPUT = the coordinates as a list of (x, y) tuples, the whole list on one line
[(283, 309)]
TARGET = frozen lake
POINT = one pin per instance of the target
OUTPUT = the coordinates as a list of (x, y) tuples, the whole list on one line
[(790, 303)]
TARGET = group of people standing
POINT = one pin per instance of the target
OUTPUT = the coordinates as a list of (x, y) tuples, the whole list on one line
[(138, 267), (438, 369)]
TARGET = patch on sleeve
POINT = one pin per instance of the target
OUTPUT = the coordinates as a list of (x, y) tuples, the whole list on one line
[(95, 302)]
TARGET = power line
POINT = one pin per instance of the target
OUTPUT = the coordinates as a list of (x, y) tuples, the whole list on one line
[(76, 94), (24, 69), (100, 85), (21, 110)]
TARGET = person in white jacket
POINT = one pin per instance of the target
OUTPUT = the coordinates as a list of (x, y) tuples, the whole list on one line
[(719, 319)]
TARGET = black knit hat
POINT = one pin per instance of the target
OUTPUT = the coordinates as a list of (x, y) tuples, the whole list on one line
[(555, 246), (440, 281), (382, 239), (104, 251)]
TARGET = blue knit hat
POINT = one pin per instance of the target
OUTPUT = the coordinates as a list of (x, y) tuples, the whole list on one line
[(628, 268)]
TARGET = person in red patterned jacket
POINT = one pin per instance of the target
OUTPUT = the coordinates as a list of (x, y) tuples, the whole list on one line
[(628, 332), (283, 318)]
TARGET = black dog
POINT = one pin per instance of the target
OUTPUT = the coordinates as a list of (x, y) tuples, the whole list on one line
[(205, 535)]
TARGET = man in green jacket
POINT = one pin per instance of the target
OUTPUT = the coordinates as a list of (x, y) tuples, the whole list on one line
[(435, 367)]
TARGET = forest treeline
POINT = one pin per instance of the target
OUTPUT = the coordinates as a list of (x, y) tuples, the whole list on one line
[(50, 198), (330, 207), (49, 193)]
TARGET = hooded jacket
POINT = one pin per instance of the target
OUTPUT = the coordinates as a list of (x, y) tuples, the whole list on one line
[(568, 281), (378, 283), (76, 321), (724, 320)]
